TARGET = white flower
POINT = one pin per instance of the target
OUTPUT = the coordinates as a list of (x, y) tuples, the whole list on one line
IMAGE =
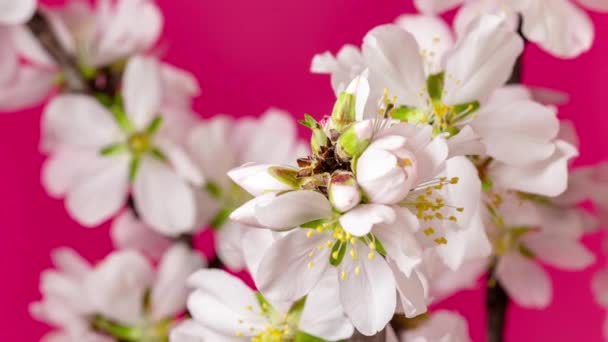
[(541, 20), (129, 232), (442, 325), (221, 144), (223, 308), (599, 285), (100, 152), (344, 67), (95, 37), (374, 245), (87, 302), (13, 12), (525, 229)]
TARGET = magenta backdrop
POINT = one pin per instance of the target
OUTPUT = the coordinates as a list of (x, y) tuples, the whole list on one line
[(249, 55)]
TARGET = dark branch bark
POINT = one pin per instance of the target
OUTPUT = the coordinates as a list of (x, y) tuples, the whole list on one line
[(497, 302), (41, 29), (379, 337)]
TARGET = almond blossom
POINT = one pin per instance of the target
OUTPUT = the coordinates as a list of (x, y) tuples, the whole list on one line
[(222, 143), (542, 20), (122, 297), (225, 309), (104, 153), (442, 325), (98, 39), (13, 12)]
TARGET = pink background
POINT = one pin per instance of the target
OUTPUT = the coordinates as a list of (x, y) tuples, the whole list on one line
[(249, 55)]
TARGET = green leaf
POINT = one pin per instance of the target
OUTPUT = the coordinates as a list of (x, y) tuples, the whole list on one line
[(304, 337), (339, 250), (435, 85)]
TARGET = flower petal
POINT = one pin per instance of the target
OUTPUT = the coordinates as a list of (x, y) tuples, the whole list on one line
[(80, 120), (412, 294), (13, 12), (142, 90), (369, 298), (292, 209), (482, 61), (394, 61), (182, 163), (128, 232), (221, 301), (169, 294), (100, 192), (559, 251), (360, 220), (163, 198), (525, 281), (293, 265), (256, 179), (436, 6)]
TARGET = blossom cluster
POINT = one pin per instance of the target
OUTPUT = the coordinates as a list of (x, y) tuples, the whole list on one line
[(434, 167)]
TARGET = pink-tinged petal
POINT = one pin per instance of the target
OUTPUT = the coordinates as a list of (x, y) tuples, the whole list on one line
[(68, 261), (344, 67), (466, 193), (254, 244), (432, 34), (596, 5), (431, 159), (436, 6), (360, 220), (192, 331), (548, 96), (398, 240), (411, 290), (163, 199), (181, 162), (466, 142), (179, 87), (228, 245), (441, 326), (129, 232), (471, 10), (28, 88), (525, 281), (118, 285), (278, 150), (548, 177), (169, 294), (293, 265), (369, 298), (100, 191), (559, 251), (224, 304), (13, 12), (257, 179), (466, 245), (8, 57), (394, 61), (542, 25), (291, 209), (64, 168), (121, 36), (508, 129), (29, 47), (246, 213), (209, 145), (323, 315), (599, 285), (80, 120), (142, 90), (482, 61)]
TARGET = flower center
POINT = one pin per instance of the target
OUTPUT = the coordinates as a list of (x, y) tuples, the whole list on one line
[(139, 143)]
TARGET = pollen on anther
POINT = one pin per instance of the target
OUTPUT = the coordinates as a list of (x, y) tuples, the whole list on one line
[(371, 255), (454, 180), (343, 275), (353, 254), (441, 241), (460, 209), (310, 233), (334, 255), (239, 334), (310, 265), (429, 231), (249, 308), (357, 270), (372, 246)]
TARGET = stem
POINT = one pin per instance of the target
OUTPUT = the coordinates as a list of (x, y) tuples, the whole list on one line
[(497, 302), (41, 29), (379, 337)]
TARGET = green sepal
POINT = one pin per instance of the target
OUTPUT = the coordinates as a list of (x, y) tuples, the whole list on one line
[(314, 224), (319, 138), (434, 83), (304, 337), (285, 175), (339, 247), (114, 149), (213, 190), (158, 154), (379, 246), (486, 184), (309, 122), (466, 109), (411, 115), (343, 113), (121, 332), (121, 118), (350, 143), (154, 125), (133, 168), (295, 311), (222, 216), (517, 232), (88, 73), (526, 252), (264, 304)]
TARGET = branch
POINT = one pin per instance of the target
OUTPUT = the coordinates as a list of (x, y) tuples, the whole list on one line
[(497, 302), (42, 30), (379, 337)]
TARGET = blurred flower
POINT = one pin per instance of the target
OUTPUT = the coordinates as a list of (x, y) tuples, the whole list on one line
[(220, 144), (223, 308), (542, 20), (98, 39), (442, 325), (129, 232), (103, 152), (121, 296), (13, 12)]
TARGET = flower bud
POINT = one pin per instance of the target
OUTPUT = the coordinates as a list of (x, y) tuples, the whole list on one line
[(386, 171), (355, 139), (343, 113), (344, 193), (261, 178)]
